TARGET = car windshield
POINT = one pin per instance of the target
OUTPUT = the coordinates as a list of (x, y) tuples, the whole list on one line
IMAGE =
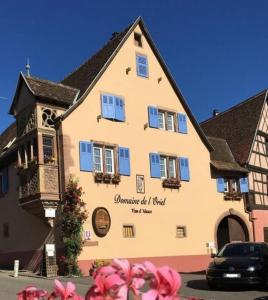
[(242, 250)]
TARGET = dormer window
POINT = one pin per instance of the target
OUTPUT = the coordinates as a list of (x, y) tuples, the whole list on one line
[(137, 39)]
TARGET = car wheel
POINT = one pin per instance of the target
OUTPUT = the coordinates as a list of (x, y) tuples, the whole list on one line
[(212, 285)]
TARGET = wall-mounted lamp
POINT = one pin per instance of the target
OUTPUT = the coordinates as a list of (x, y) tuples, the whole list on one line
[(98, 118), (159, 79), (145, 126), (128, 69)]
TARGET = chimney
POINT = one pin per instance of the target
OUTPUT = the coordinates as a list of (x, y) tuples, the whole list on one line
[(27, 67), (114, 34), (215, 112)]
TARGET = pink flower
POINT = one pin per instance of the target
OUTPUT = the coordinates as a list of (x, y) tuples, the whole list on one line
[(31, 293), (108, 285), (165, 283), (64, 293), (131, 274)]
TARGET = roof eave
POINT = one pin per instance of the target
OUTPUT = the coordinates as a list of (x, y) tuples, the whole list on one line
[(15, 98)]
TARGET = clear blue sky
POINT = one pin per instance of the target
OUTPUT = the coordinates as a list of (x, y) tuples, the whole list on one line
[(216, 50)]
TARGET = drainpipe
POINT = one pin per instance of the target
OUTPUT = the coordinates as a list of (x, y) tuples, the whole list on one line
[(58, 128)]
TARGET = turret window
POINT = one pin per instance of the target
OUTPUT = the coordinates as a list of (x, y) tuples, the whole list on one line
[(47, 148)]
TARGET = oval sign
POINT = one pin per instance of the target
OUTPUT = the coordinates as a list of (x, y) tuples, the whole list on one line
[(101, 221)]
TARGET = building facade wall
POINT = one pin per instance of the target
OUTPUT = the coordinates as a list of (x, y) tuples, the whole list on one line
[(196, 205), (258, 164), (26, 233)]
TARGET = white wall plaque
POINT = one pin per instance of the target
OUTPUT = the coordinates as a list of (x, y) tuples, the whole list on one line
[(50, 249), (50, 212)]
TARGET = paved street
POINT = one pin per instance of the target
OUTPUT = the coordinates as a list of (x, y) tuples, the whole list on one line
[(193, 285)]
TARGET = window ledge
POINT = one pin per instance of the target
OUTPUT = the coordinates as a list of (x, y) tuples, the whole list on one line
[(107, 178), (232, 196), (172, 183)]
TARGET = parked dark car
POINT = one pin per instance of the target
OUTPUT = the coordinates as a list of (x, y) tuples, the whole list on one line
[(239, 263)]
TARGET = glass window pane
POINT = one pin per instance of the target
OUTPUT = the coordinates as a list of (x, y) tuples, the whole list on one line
[(109, 164), (163, 171), (97, 159), (226, 185), (170, 122), (47, 148), (161, 120), (234, 185), (171, 168)]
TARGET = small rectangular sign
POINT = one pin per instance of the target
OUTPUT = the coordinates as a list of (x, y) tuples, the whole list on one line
[(50, 212), (233, 275), (50, 249)]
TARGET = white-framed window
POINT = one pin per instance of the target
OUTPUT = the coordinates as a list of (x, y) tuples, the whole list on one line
[(161, 120), (231, 185), (168, 167), (172, 168), (170, 122), (97, 159), (163, 167), (109, 161)]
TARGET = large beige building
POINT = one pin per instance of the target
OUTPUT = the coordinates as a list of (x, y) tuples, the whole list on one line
[(151, 177)]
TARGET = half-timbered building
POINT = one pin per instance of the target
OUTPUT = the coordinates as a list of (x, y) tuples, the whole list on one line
[(245, 128)]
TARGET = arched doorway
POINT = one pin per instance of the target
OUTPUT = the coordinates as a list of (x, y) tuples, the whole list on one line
[(230, 229)]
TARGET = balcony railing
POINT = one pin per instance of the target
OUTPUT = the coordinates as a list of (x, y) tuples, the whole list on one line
[(36, 180)]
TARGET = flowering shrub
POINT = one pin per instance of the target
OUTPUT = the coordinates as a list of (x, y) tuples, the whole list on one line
[(71, 220), (117, 281)]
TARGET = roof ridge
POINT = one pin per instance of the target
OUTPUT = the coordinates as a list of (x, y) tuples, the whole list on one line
[(235, 106), (52, 82), (97, 52)]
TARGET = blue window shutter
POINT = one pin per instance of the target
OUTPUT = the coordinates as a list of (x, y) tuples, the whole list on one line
[(86, 161), (155, 165), (119, 109), (124, 161), (220, 185), (184, 169), (153, 116), (182, 123), (243, 185), (5, 180), (108, 106), (104, 106), (142, 65)]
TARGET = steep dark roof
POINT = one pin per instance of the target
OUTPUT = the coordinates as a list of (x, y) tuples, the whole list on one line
[(222, 158), (83, 76), (51, 91), (8, 136), (237, 126)]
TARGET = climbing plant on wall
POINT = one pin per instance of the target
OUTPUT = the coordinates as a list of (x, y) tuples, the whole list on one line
[(71, 220)]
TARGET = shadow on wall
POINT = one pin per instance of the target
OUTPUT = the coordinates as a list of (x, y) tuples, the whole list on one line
[(66, 159), (28, 259)]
